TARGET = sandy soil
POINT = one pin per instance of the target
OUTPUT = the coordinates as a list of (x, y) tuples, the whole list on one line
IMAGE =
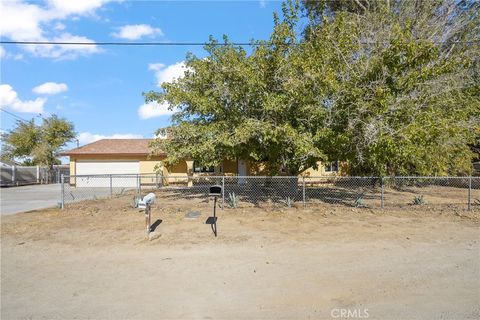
[(93, 260)]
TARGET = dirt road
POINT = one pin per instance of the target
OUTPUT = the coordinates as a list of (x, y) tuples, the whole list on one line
[(95, 262)]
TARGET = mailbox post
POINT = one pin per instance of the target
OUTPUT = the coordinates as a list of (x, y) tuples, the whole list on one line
[(215, 191), (145, 204), (148, 218)]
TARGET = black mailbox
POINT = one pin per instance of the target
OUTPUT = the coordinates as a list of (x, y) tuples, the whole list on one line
[(216, 190)]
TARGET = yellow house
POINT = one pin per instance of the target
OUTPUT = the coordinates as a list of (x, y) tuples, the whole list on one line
[(132, 157)]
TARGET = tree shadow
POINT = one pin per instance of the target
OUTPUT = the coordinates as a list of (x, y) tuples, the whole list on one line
[(341, 196), (343, 192)]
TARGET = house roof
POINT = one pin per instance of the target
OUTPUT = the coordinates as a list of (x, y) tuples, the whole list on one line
[(113, 147)]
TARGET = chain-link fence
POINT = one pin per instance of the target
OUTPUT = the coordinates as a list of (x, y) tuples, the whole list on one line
[(264, 191), (92, 187)]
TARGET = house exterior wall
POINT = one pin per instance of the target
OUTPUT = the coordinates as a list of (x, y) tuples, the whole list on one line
[(258, 169), (148, 165), (184, 169), (230, 167), (320, 171), (179, 170), (75, 159), (73, 170)]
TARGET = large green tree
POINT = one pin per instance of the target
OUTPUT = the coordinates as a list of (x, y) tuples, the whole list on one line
[(235, 104), (40, 144), (391, 88), (409, 102)]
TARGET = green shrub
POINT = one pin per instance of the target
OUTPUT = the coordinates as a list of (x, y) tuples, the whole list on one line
[(418, 200)]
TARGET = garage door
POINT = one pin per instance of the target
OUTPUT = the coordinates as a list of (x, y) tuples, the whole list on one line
[(118, 170)]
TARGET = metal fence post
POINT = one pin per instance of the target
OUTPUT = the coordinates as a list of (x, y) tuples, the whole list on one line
[(139, 187), (470, 193), (382, 199), (223, 191), (111, 187), (13, 175), (303, 191), (62, 196), (38, 174)]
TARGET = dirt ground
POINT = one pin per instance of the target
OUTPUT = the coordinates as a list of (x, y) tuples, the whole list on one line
[(93, 260)]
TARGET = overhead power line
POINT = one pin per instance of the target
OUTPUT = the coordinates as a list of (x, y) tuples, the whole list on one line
[(61, 43), (14, 115), (253, 44)]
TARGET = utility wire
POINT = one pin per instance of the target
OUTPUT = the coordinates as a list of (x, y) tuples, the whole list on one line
[(253, 44), (14, 115), (61, 43)]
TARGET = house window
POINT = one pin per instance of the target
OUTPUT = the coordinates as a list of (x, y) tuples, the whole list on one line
[(331, 167), (197, 168)]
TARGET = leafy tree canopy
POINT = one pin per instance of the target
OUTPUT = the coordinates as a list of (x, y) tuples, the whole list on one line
[(391, 89), (410, 101), (239, 105), (38, 145)]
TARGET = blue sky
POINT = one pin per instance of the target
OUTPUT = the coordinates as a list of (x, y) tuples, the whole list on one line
[(100, 89)]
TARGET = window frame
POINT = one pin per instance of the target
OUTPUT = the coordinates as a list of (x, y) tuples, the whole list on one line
[(203, 169), (331, 165)]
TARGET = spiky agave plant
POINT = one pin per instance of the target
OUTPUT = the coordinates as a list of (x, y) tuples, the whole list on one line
[(359, 202), (232, 200), (135, 201), (121, 192), (288, 202), (418, 200)]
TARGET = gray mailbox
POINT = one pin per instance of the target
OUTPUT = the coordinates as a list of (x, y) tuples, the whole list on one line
[(216, 191)]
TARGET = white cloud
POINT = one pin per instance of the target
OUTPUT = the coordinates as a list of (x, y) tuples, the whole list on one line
[(63, 52), (27, 21), (62, 8), (163, 73), (71, 51), (4, 54), (21, 21), (87, 137), (9, 99), (169, 73), (137, 31), (59, 26), (262, 3), (154, 109), (18, 56), (50, 88)]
